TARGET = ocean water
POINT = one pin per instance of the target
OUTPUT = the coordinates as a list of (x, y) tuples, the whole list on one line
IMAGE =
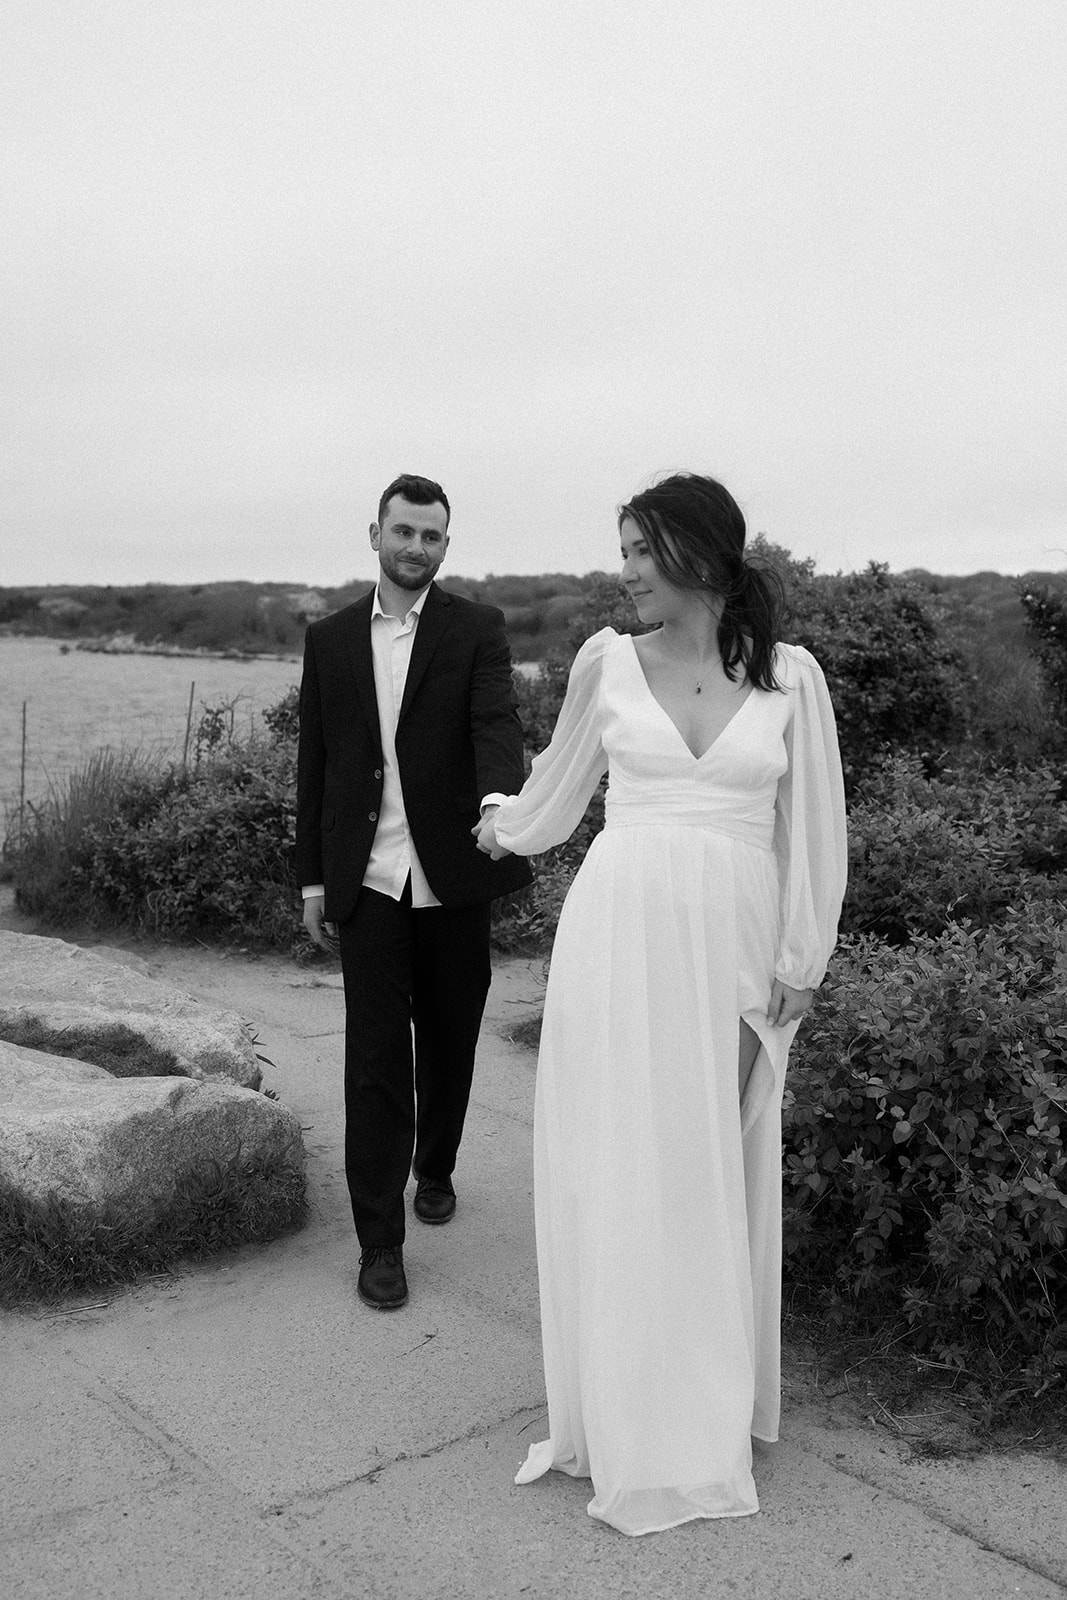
[(78, 702)]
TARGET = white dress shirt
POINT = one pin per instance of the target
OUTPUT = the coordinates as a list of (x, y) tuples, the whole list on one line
[(393, 855)]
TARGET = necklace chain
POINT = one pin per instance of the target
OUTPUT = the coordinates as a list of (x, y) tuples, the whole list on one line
[(683, 663)]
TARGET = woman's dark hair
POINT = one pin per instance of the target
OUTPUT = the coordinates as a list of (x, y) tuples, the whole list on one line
[(420, 492), (696, 532)]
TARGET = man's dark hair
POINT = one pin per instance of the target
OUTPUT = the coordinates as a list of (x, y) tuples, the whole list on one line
[(420, 491)]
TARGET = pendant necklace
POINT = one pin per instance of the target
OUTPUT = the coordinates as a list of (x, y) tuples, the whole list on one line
[(703, 675)]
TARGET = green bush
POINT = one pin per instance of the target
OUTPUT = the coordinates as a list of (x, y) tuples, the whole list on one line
[(114, 788), (926, 850), (283, 718), (203, 852), (926, 1147), (1008, 713), (212, 861), (1045, 610), (897, 679)]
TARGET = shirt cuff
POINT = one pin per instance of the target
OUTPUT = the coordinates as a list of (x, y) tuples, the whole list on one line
[(493, 800), (310, 890)]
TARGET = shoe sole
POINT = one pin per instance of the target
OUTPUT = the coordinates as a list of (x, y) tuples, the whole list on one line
[(381, 1305), (436, 1222)]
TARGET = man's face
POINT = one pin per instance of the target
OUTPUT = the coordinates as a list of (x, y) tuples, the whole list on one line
[(411, 542)]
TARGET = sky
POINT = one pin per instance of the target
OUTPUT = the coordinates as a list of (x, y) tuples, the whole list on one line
[(260, 257)]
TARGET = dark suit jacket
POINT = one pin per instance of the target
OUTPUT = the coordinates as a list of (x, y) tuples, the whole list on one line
[(458, 738)]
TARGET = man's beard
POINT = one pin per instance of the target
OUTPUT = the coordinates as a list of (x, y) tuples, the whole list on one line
[(407, 576)]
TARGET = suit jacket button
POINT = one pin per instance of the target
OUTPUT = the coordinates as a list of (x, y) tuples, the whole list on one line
[(377, 773), (372, 816)]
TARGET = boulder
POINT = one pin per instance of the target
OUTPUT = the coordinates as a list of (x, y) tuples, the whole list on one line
[(69, 988), (72, 1130)]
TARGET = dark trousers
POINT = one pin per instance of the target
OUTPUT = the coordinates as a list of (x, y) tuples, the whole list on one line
[(407, 972)]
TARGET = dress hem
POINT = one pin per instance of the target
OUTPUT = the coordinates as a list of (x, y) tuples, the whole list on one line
[(664, 1527)]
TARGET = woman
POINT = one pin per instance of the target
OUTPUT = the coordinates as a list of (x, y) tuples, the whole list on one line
[(688, 948)]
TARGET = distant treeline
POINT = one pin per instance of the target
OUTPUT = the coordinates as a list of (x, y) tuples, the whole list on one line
[(270, 618), (264, 618)]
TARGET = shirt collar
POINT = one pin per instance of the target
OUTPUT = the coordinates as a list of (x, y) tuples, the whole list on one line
[(414, 610)]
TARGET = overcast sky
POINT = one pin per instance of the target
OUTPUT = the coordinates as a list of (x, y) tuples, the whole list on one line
[(259, 257)]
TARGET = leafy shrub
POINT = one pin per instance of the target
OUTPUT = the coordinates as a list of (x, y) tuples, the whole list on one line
[(896, 678), (926, 1146), (186, 853), (1045, 610), (214, 861), (283, 718), (118, 787), (1009, 718), (929, 849)]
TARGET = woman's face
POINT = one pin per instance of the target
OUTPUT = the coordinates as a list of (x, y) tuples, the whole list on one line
[(655, 597)]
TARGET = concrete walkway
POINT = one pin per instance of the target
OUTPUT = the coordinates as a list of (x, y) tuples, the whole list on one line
[(248, 1428)]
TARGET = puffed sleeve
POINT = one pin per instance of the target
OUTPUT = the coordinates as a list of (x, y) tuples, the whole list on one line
[(809, 835), (564, 776)]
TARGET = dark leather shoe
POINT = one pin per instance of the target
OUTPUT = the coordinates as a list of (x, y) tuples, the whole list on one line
[(435, 1200), (381, 1282)]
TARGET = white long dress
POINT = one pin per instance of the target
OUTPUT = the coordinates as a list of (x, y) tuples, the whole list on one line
[(658, 1196)]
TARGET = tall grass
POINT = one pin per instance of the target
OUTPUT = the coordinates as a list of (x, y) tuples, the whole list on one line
[(51, 839), (53, 1247), (201, 851)]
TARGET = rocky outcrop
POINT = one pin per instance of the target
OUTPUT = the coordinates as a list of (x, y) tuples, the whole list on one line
[(82, 992), (72, 1131)]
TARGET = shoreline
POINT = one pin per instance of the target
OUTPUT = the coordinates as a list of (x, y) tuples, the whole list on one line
[(123, 645)]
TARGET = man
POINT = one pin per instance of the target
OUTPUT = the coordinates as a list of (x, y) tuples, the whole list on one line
[(408, 733)]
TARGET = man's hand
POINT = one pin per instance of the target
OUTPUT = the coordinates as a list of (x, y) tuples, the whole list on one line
[(787, 1005), (324, 933), (485, 835)]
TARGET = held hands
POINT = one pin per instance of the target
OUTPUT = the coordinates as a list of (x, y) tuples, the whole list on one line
[(484, 833), (324, 933), (787, 1005)]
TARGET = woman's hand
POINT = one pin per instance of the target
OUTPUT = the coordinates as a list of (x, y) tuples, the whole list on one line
[(484, 833), (787, 1004)]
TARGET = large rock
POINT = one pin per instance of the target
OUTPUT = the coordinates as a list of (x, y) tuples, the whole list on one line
[(73, 1130), (69, 988)]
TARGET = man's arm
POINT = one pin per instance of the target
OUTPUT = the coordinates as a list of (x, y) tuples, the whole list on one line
[(310, 779), (496, 731)]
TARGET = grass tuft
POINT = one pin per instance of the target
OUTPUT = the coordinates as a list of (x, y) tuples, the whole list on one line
[(527, 1032), (116, 1048), (51, 1248), (51, 839)]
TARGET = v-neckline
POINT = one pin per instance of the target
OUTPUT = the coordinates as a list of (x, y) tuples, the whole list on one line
[(670, 720)]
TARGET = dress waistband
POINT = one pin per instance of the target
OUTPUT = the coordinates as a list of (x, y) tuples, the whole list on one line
[(684, 810)]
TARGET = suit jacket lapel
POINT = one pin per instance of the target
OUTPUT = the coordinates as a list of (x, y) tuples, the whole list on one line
[(362, 663), (432, 624)]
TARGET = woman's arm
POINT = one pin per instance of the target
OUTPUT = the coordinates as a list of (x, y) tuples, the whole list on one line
[(564, 776), (810, 840)]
